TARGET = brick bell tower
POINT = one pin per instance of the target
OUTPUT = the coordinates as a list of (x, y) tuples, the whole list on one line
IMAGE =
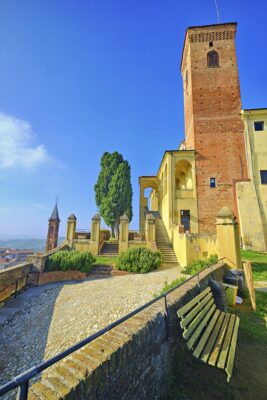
[(213, 124), (53, 226)]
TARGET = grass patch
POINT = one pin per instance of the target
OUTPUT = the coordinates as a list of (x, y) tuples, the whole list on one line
[(167, 286), (259, 264), (253, 324), (199, 265), (106, 260)]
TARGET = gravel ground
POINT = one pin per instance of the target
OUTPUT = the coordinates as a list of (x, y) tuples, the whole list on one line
[(59, 315)]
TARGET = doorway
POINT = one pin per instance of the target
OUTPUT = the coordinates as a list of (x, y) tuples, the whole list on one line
[(185, 219)]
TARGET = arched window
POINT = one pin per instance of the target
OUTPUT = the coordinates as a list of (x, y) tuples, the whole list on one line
[(213, 59)]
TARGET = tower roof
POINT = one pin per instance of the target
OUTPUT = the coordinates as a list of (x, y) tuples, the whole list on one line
[(213, 32), (54, 214)]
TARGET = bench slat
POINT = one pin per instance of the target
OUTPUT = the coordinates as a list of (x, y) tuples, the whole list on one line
[(200, 327), (209, 345), (195, 310), (219, 341), (198, 318), (206, 334), (226, 344), (231, 357), (191, 303)]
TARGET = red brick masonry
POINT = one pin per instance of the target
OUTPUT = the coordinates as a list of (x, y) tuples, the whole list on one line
[(59, 276)]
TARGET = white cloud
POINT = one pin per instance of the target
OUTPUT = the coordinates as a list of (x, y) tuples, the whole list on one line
[(16, 147)]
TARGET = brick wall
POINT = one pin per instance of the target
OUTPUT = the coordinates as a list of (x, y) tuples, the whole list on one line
[(214, 127), (132, 361), (59, 276)]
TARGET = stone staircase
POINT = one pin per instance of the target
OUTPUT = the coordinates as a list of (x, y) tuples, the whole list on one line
[(110, 249), (100, 271), (163, 242)]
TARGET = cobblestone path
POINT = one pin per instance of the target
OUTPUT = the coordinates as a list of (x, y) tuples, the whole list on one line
[(58, 315)]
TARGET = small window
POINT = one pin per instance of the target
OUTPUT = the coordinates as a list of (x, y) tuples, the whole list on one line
[(213, 59), (212, 182), (259, 125), (263, 177), (211, 44)]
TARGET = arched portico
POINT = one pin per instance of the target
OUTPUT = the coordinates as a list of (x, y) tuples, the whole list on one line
[(183, 175), (144, 183)]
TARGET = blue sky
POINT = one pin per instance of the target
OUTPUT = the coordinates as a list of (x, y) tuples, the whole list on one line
[(80, 77)]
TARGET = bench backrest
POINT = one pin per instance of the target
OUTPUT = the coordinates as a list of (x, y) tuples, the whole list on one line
[(195, 311)]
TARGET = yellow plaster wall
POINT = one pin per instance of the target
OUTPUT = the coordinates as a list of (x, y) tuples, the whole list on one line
[(185, 246), (81, 245), (252, 196), (249, 216), (228, 242), (171, 200)]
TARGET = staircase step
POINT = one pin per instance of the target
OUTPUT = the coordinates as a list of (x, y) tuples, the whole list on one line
[(163, 242), (110, 249)]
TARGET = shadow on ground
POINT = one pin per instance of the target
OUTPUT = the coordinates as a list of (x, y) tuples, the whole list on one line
[(193, 380)]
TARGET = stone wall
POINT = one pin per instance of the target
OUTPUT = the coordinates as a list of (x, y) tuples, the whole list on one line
[(13, 277), (132, 361)]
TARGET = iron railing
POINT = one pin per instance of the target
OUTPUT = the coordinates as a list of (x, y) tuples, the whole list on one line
[(16, 288), (22, 380)]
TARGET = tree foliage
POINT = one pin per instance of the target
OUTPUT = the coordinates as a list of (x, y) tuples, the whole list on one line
[(113, 190)]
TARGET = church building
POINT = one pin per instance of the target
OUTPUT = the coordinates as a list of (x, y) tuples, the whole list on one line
[(223, 160)]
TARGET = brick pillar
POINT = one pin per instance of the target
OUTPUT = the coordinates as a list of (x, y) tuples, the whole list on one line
[(71, 229), (124, 233), (150, 231), (95, 232), (228, 238)]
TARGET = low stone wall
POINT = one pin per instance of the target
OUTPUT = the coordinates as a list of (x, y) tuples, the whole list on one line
[(117, 272), (132, 361), (60, 276), (12, 277)]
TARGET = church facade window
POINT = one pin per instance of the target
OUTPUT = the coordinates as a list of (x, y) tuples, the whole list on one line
[(213, 59)]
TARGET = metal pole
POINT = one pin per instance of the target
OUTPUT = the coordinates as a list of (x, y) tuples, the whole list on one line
[(16, 288), (198, 281), (166, 315), (23, 391)]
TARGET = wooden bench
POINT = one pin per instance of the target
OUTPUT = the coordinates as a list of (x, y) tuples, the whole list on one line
[(209, 332)]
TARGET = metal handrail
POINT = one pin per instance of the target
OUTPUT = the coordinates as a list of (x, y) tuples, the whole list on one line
[(22, 380), (16, 287)]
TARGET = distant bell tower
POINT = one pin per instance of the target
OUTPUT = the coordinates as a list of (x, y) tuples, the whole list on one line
[(213, 124), (53, 226)]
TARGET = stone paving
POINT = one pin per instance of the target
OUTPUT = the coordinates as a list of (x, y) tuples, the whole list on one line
[(50, 318)]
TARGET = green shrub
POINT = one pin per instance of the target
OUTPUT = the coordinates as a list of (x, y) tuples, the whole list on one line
[(139, 259), (70, 261), (167, 286), (198, 265)]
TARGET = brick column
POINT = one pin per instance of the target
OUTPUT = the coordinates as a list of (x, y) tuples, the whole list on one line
[(228, 238), (95, 231), (124, 233)]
